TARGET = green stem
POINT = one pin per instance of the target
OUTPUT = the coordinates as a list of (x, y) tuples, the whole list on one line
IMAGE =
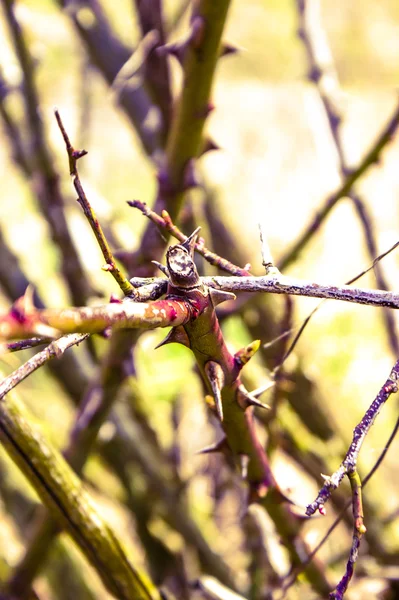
[(201, 53), (63, 493)]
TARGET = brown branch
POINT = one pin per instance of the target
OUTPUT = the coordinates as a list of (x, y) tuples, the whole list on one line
[(73, 156), (296, 572), (348, 467)]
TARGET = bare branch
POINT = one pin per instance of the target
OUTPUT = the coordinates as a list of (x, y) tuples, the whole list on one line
[(164, 222), (323, 73), (53, 350), (74, 156), (372, 156), (360, 432)]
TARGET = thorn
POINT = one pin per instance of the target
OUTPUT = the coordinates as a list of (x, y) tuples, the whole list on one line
[(247, 267), (114, 299), (326, 478), (203, 113), (176, 335), (161, 267), (262, 389), (23, 305), (208, 146), (220, 446), (228, 49), (219, 296), (76, 154), (246, 399), (189, 177), (244, 461), (243, 356), (189, 243), (322, 510), (215, 376)]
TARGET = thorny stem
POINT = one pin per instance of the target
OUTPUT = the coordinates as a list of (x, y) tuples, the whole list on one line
[(348, 467), (74, 156), (296, 572), (201, 51), (163, 313), (359, 434)]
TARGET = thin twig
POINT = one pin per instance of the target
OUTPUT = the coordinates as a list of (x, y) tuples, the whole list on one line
[(358, 531), (73, 156), (360, 432), (296, 572), (323, 73), (348, 467), (165, 222), (306, 321), (371, 157), (53, 350), (24, 344)]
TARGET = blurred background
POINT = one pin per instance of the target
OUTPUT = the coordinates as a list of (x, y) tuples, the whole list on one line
[(277, 164)]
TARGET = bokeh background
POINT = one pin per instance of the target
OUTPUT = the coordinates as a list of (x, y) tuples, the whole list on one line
[(276, 164)]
